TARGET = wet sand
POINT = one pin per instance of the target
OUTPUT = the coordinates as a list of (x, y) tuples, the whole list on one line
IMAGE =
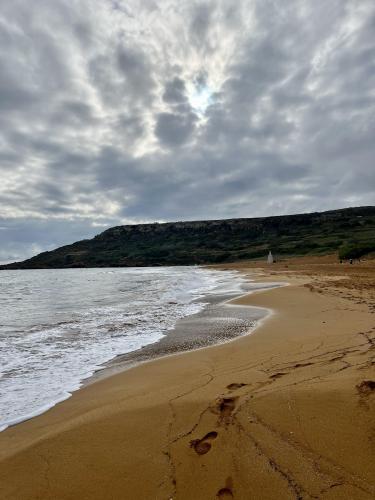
[(220, 321), (284, 413)]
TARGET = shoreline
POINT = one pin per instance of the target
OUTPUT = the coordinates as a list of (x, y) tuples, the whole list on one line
[(173, 340), (192, 332), (288, 403), (180, 340)]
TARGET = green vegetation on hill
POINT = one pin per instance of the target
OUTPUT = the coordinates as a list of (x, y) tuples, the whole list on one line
[(356, 250), (203, 242)]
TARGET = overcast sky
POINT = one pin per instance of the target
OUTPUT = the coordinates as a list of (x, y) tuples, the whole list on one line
[(126, 111)]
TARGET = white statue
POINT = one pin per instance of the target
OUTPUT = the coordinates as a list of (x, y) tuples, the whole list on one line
[(270, 258)]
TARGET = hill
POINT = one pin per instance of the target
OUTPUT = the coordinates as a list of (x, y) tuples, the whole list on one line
[(201, 242)]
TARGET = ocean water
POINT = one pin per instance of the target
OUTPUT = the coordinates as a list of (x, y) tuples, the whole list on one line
[(57, 327)]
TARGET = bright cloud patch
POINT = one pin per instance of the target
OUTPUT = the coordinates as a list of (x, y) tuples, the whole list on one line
[(200, 98)]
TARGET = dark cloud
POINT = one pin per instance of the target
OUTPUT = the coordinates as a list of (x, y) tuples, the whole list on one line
[(134, 66), (175, 91), (200, 22), (141, 111), (175, 129)]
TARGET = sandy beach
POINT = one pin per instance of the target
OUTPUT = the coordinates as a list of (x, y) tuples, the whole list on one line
[(284, 413)]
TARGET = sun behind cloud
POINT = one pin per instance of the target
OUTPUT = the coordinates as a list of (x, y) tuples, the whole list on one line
[(200, 97)]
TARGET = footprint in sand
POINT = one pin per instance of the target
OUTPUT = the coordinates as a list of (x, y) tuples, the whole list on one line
[(227, 491), (203, 446), (366, 387), (224, 406), (235, 386)]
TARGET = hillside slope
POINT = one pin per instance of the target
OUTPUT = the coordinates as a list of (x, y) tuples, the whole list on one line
[(201, 242)]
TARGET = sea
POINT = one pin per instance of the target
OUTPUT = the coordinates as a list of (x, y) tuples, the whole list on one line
[(60, 326)]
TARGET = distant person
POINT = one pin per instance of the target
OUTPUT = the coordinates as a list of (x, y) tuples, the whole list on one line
[(351, 261)]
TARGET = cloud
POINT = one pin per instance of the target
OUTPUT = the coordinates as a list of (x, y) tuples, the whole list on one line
[(114, 112), (175, 91), (175, 129), (200, 23)]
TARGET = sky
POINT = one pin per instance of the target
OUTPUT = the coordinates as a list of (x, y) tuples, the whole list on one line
[(122, 112)]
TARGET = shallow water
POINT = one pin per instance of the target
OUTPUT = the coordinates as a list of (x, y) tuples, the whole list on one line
[(57, 327)]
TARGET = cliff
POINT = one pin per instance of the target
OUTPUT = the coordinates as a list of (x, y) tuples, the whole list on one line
[(203, 242)]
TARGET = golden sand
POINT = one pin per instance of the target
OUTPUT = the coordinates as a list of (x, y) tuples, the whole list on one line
[(284, 413)]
